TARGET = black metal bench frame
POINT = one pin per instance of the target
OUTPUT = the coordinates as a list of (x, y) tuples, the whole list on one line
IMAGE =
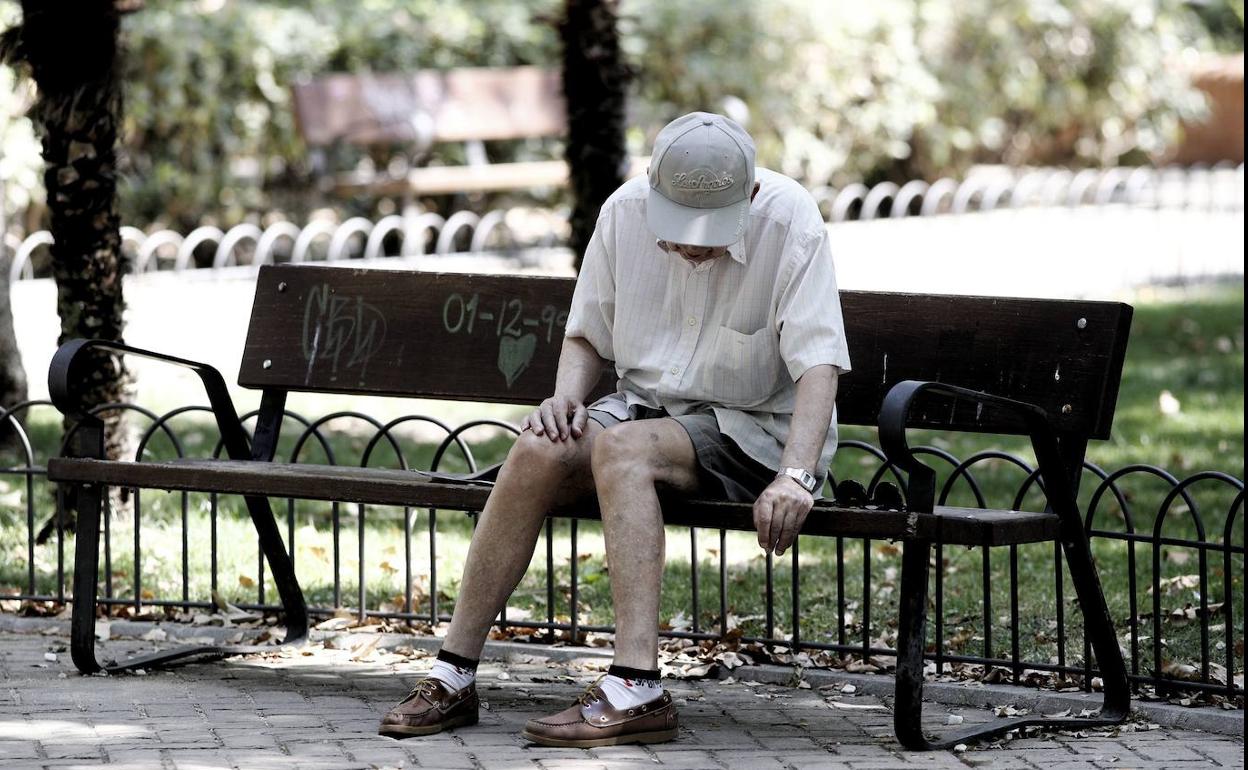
[(249, 471), (86, 439)]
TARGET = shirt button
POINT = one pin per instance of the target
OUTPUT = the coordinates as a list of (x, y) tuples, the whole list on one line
[(692, 321), (675, 370)]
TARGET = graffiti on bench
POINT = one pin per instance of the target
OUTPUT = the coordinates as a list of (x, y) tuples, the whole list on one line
[(517, 334), (346, 331)]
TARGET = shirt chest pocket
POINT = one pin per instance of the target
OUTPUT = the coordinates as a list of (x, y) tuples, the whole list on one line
[(742, 369)]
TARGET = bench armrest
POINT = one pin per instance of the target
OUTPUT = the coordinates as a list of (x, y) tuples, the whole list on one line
[(921, 486), (72, 357)]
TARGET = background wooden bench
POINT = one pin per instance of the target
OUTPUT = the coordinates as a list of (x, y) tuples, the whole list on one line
[(1052, 368), (424, 108)]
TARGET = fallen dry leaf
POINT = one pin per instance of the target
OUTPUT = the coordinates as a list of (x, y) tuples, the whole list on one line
[(836, 704)]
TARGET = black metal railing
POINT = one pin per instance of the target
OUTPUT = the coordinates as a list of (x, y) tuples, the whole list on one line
[(1139, 546)]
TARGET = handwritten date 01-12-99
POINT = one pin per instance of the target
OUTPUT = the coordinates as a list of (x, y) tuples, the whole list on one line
[(459, 314)]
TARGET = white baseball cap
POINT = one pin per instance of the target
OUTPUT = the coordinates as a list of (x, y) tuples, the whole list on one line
[(701, 181)]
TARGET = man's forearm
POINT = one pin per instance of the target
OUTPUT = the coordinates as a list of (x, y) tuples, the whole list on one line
[(580, 368), (812, 413)]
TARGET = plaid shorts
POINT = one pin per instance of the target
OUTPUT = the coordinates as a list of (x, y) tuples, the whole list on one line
[(725, 472)]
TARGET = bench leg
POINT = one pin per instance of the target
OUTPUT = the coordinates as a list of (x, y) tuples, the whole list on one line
[(911, 642), (86, 576), (90, 499)]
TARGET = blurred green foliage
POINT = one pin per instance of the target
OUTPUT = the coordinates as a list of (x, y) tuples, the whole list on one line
[(210, 124), (1225, 21), (836, 90), (846, 91)]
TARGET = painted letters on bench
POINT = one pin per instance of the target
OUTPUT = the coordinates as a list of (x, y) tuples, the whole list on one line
[(516, 346), (345, 331)]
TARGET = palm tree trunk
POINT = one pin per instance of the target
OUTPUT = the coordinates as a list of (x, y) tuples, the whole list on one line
[(595, 83), (70, 49)]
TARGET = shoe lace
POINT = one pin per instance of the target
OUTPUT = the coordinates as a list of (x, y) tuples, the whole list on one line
[(591, 694), (426, 686)]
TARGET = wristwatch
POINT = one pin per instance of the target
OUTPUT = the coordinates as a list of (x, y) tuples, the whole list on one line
[(801, 476)]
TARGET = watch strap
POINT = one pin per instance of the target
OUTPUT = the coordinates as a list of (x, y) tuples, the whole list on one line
[(803, 477)]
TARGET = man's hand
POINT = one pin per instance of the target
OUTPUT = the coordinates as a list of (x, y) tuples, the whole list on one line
[(779, 513), (557, 418)]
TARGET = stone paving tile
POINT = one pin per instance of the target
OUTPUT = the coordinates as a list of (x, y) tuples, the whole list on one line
[(1005, 760), (756, 760), (1169, 752), (1224, 754), (320, 712)]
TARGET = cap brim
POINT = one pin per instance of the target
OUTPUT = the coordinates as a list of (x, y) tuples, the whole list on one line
[(690, 226)]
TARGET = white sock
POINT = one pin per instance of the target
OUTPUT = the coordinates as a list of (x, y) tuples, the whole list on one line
[(453, 676), (625, 692)]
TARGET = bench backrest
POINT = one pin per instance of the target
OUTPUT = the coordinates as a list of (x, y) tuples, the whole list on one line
[(497, 338), (429, 106)]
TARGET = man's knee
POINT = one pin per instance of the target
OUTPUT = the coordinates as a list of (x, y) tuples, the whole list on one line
[(539, 455), (624, 450)]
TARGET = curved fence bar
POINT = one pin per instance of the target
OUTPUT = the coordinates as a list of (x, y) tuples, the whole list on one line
[(884, 191), (845, 200), (995, 193), (235, 236), (494, 221), (312, 232), (909, 192), (966, 194), (936, 195), (1185, 636), (824, 195), (374, 248), (460, 220), (1111, 184), (132, 237), (273, 234), (21, 267), (354, 227), (1084, 182), (418, 231), (146, 258), (186, 251)]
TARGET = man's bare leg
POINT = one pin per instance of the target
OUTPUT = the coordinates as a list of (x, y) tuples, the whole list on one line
[(537, 475), (629, 461)]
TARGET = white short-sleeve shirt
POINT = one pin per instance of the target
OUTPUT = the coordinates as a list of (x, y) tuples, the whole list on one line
[(732, 334)]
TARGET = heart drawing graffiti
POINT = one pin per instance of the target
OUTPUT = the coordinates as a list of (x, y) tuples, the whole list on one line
[(514, 355)]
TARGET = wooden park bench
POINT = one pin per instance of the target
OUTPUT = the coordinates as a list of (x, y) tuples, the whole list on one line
[(420, 109), (1052, 369)]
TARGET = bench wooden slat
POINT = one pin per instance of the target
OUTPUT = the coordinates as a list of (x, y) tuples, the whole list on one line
[(495, 338), (380, 486), (477, 103), (447, 180)]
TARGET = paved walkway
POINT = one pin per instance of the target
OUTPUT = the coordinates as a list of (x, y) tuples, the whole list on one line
[(319, 709)]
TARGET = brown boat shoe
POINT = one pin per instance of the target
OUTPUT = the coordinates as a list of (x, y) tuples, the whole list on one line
[(593, 721), (430, 708)]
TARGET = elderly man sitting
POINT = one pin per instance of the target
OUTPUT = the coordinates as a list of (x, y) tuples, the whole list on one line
[(710, 284)]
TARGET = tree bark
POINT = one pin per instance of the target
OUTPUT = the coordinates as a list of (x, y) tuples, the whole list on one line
[(70, 49), (595, 83)]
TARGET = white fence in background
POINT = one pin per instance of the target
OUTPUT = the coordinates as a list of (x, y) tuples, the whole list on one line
[(1159, 224), (418, 234)]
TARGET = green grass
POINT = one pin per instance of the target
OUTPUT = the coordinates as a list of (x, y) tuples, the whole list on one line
[(1192, 347)]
